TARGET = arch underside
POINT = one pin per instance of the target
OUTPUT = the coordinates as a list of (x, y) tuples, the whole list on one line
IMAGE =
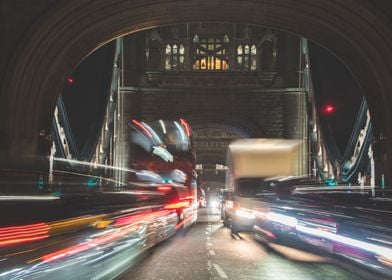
[(355, 31)]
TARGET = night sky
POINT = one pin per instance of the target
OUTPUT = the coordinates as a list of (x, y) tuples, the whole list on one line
[(334, 84), (85, 99)]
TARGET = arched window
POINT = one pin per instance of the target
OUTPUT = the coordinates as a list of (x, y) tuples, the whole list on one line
[(247, 57), (174, 57), (211, 54)]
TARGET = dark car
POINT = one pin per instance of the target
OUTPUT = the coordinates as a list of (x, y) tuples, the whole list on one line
[(254, 195)]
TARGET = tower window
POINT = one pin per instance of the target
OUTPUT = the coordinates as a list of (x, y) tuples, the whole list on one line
[(211, 54), (247, 57), (174, 57)]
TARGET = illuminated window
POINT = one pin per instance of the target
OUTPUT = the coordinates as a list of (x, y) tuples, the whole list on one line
[(174, 57), (247, 57), (211, 54)]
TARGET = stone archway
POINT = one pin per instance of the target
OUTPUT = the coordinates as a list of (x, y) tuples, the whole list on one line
[(356, 32)]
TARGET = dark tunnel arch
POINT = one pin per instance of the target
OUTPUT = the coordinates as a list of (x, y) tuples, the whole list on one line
[(70, 30)]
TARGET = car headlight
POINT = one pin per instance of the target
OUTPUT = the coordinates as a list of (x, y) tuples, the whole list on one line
[(244, 213), (215, 204), (282, 219)]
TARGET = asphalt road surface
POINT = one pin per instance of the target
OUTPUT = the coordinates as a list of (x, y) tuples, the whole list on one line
[(208, 251)]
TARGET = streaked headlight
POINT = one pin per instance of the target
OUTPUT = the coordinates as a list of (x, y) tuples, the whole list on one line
[(282, 219), (244, 213), (215, 204)]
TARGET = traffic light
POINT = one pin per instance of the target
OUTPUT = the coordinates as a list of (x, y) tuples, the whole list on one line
[(70, 81), (328, 109)]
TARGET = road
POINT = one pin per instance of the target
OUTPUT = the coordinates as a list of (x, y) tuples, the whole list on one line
[(208, 251)]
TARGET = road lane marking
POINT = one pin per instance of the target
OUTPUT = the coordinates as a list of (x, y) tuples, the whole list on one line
[(220, 271), (209, 244), (212, 252)]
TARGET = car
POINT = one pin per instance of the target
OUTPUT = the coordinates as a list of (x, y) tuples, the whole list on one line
[(201, 198)]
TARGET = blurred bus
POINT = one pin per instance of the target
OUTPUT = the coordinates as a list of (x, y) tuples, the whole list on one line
[(165, 149)]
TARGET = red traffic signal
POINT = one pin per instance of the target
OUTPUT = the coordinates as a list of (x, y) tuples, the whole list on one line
[(328, 109), (70, 81)]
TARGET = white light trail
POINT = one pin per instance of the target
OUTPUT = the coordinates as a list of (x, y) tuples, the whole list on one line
[(181, 130), (93, 164), (26, 197), (244, 213), (379, 250), (282, 219), (163, 126)]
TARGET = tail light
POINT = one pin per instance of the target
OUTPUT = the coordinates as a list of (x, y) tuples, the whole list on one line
[(164, 189), (22, 234), (177, 205)]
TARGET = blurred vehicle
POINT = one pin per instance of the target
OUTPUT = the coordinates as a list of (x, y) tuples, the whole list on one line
[(251, 162), (225, 196), (202, 198), (165, 148), (178, 198), (213, 198), (79, 234), (344, 222)]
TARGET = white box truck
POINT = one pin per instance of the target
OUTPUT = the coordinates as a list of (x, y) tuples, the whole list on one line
[(255, 169)]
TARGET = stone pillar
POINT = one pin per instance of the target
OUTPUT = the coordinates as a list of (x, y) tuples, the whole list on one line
[(134, 61), (287, 59), (126, 110), (127, 101), (381, 160), (295, 124)]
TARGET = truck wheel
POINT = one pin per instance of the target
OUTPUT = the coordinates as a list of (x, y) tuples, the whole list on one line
[(234, 228)]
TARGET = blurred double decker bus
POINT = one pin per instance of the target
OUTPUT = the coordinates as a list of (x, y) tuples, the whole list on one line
[(162, 152)]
